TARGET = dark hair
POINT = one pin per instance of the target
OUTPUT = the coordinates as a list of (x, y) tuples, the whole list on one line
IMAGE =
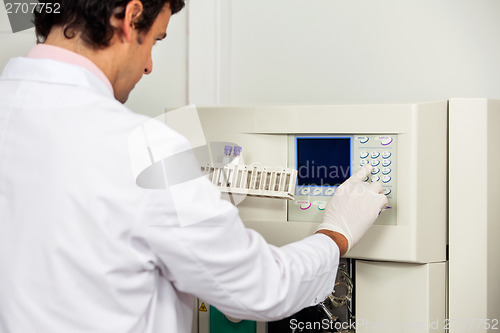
[(91, 18)]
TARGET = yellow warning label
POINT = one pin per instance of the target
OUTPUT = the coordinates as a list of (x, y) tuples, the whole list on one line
[(203, 308)]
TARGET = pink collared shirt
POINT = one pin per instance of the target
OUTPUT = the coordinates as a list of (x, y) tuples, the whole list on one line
[(44, 51)]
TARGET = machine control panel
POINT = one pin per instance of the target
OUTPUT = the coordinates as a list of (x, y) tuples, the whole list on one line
[(323, 162)]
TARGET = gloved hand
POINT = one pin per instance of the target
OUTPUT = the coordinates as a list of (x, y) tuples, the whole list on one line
[(354, 207)]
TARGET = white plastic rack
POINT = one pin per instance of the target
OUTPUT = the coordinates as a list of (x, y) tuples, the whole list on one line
[(256, 181)]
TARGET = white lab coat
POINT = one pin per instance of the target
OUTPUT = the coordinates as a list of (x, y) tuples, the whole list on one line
[(84, 249)]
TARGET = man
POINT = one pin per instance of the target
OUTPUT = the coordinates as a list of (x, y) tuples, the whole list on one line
[(82, 247)]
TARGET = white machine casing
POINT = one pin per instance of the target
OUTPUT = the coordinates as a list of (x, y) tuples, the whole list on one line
[(448, 187), (419, 234)]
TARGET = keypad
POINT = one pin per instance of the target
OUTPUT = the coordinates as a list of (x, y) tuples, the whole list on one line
[(378, 151)]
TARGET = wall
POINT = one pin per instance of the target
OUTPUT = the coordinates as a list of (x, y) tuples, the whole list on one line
[(13, 45), (316, 52), (339, 51)]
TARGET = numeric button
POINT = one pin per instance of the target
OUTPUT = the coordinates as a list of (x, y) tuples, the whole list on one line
[(305, 191), (317, 191), (329, 191)]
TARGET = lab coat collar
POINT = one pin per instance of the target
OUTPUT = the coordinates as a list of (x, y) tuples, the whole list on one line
[(46, 51), (56, 72)]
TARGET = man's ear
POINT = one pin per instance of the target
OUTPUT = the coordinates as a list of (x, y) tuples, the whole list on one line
[(125, 26)]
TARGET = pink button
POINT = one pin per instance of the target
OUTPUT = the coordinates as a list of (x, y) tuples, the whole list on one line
[(304, 204)]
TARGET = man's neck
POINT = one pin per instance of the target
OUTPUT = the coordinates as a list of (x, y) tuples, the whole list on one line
[(99, 57)]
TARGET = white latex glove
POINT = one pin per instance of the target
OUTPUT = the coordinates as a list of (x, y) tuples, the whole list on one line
[(354, 207)]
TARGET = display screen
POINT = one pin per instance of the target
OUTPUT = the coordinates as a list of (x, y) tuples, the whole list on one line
[(323, 161)]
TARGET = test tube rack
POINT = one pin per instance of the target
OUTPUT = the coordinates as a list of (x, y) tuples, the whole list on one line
[(253, 180)]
